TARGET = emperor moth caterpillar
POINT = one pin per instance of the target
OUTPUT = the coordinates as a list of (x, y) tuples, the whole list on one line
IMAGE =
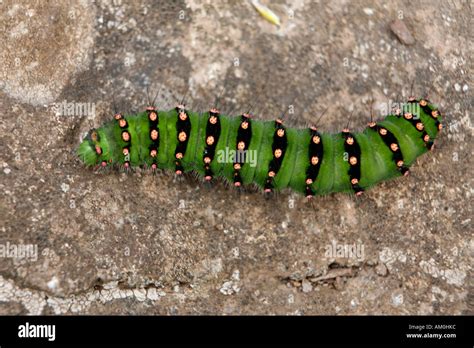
[(306, 160)]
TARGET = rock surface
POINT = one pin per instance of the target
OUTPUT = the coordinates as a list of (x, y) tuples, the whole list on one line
[(141, 244)]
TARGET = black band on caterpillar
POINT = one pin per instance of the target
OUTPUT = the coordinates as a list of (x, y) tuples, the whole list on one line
[(213, 132), (244, 136), (126, 138), (352, 148), (433, 113), (416, 121), (279, 146), (153, 122), (315, 156), (183, 127), (391, 141), (420, 127)]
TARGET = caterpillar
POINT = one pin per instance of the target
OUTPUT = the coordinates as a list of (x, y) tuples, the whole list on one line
[(244, 150)]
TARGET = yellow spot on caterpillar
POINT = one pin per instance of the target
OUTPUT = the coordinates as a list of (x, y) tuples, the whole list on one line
[(125, 136), (153, 116), (266, 13), (210, 140), (182, 136)]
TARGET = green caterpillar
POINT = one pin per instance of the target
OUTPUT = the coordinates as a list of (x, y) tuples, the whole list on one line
[(245, 151)]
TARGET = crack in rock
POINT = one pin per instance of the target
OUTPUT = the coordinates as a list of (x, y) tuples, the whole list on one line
[(35, 301)]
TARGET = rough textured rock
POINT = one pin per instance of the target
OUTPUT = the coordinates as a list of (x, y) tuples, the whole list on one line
[(44, 45), (137, 243)]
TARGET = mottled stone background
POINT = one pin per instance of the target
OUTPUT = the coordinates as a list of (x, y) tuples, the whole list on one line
[(139, 244)]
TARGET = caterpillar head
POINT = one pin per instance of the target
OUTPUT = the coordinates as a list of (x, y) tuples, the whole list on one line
[(91, 151)]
